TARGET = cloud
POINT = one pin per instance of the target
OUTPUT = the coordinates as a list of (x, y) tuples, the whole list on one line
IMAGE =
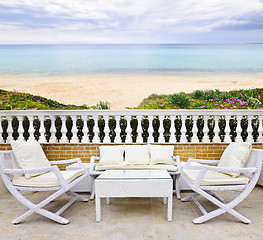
[(249, 21), (127, 20)]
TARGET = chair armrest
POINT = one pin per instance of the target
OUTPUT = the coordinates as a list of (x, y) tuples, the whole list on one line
[(203, 160), (77, 160), (193, 160), (222, 169), (25, 171), (92, 166), (64, 161)]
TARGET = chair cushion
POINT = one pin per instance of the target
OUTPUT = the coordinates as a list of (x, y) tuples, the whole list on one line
[(170, 168), (235, 156), (111, 155), (161, 154), (29, 155), (48, 179), (215, 178), (137, 154)]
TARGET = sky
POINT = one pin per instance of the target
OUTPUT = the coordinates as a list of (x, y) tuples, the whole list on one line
[(131, 21)]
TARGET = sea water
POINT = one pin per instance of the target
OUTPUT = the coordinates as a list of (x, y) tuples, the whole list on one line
[(115, 59)]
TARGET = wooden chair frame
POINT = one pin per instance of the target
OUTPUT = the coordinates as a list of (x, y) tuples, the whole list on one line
[(206, 190), (8, 172)]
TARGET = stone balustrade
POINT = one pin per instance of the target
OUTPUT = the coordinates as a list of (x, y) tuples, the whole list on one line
[(132, 126)]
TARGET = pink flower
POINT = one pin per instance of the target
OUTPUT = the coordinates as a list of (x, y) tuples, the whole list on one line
[(163, 105)]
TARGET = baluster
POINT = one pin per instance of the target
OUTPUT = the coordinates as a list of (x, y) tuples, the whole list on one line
[(195, 129), (260, 129), (96, 138), (53, 138), (74, 129), (139, 130), (128, 130), (249, 129), (150, 129), (206, 130), (31, 128), (216, 129), (106, 129), (9, 129), (183, 130), (64, 130), (20, 129), (85, 138), (117, 130), (3, 129), (239, 129), (172, 130), (227, 130), (42, 138), (161, 130)]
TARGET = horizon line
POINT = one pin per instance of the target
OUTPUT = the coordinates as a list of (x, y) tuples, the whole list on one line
[(131, 43)]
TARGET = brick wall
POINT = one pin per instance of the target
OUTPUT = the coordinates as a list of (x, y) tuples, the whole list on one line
[(61, 151)]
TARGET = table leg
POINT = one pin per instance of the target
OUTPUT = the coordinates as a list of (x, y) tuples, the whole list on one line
[(92, 194), (165, 200), (170, 209), (98, 210), (107, 200)]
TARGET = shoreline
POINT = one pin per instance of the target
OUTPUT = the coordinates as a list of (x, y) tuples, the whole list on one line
[(122, 91)]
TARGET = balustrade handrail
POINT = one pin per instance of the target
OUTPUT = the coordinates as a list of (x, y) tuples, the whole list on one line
[(132, 125), (175, 112)]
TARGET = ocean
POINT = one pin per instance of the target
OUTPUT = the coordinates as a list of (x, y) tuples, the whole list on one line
[(114, 59)]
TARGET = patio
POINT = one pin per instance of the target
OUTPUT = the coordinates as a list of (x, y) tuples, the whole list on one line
[(132, 218)]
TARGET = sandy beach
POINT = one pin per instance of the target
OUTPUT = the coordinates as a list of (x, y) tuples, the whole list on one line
[(121, 91)]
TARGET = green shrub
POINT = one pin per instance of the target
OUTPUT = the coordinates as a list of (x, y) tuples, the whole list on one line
[(101, 105), (198, 93), (180, 100)]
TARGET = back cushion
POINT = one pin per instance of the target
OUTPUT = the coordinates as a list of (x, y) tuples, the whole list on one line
[(30, 155), (235, 156), (137, 154), (111, 155), (161, 154)]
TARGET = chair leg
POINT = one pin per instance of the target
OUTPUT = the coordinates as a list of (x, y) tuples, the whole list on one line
[(38, 208), (73, 194), (209, 216), (44, 213), (222, 207), (185, 199)]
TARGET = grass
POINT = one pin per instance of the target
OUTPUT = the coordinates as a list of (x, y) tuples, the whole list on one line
[(13, 100), (208, 99)]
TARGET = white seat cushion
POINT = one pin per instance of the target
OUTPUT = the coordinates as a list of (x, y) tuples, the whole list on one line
[(30, 155), (170, 168), (137, 154), (111, 155), (215, 178), (161, 154), (235, 156), (48, 179)]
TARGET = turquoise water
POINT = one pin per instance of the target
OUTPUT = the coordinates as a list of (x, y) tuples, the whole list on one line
[(73, 60)]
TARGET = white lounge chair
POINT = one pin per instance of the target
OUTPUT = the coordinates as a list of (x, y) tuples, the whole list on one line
[(39, 178), (204, 179)]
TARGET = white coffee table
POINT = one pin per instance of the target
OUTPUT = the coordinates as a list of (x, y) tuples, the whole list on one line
[(134, 183)]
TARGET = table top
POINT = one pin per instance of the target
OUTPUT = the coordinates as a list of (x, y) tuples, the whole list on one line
[(134, 174)]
